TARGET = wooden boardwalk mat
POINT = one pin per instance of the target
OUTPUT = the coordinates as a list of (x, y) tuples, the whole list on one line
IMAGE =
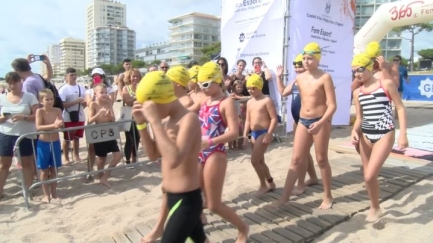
[(301, 220)]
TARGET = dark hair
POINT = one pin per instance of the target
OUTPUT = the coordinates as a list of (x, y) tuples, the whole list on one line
[(21, 65), (70, 70), (12, 77), (399, 57), (252, 62), (241, 60), (192, 63), (226, 67), (126, 60)]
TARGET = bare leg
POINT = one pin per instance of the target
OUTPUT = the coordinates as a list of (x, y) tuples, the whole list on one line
[(321, 142), (45, 187), (76, 145), (311, 172), (65, 147), (91, 157), (27, 170), (158, 230), (262, 170), (213, 175), (200, 175), (301, 145), (379, 153), (116, 159), (53, 188), (5, 164)]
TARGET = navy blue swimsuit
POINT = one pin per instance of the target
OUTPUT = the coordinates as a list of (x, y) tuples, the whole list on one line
[(296, 103)]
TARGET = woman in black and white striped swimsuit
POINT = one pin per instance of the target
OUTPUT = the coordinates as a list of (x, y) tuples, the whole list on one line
[(374, 128)]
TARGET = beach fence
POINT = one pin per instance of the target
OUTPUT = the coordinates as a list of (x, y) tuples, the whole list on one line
[(93, 134)]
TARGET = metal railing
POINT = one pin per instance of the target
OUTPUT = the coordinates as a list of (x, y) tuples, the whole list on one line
[(93, 133)]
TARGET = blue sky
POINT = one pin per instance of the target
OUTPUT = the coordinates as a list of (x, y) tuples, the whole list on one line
[(30, 26)]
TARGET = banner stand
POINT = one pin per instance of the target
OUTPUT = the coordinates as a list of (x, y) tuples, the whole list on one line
[(286, 44)]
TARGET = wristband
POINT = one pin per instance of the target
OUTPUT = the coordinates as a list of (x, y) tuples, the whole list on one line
[(210, 141), (141, 126)]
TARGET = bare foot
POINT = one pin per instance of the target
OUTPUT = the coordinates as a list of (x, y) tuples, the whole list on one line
[(271, 186), (56, 201), (326, 204), (203, 219), (262, 190), (67, 163), (46, 199), (374, 214), (152, 236), (311, 182), (77, 158), (87, 179), (278, 203), (103, 181), (243, 234), (298, 190)]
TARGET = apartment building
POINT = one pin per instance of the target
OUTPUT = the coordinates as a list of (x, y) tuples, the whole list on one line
[(101, 13), (189, 33), (391, 43), (54, 53), (158, 51), (110, 45), (73, 54)]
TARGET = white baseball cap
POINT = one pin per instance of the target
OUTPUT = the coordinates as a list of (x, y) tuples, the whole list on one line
[(99, 71)]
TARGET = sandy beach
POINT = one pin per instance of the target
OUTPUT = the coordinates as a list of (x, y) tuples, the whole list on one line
[(90, 211)]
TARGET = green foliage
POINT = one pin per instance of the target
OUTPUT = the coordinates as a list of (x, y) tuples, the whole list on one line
[(426, 54), (415, 28), (209, 51), (203, 60), (138, 64), (155, 62)]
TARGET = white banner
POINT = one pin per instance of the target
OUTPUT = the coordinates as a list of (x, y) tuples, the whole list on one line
[(254, 28), (329, 23)]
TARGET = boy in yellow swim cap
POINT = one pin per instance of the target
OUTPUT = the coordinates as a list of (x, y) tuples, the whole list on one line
[(178, 143), (261, 120), (318, 105), (180, 77)]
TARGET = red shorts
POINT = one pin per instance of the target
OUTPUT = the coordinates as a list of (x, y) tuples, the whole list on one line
[(68, 136)]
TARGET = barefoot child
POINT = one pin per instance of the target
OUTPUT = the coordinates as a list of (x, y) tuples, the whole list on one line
[(261, 120), (49, 159), (178, 143), (292, 89), (318, 105), (101, 111), (239, 96), (374, 129)]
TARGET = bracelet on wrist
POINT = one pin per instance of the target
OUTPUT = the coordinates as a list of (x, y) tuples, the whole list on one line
[(141, 126)]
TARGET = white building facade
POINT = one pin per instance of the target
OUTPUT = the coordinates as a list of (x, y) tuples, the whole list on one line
[(159, 51), (110, 45), (102, 13), (54, 53), (73, 54), (191, 32)]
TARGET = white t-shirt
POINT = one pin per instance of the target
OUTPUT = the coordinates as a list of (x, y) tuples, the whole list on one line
[(69, 93), (18, 128)]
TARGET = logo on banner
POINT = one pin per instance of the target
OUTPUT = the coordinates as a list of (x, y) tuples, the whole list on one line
[(328, 7), (426, 87), (242, 37)]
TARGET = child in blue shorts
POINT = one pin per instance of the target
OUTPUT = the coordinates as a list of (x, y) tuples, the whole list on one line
[(48, 118)]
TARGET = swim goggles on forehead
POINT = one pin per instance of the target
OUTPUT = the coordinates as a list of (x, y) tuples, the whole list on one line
[(311, 52), (359, 70), (297, 63)]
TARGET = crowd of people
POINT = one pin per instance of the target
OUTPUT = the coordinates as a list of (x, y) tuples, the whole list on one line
[(185, 117)]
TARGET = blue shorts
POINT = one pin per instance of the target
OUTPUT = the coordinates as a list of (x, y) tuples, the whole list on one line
[(7, 144), (47, 155)]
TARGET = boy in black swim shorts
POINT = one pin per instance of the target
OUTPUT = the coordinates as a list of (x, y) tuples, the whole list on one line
[(177, 142), (101, 111)]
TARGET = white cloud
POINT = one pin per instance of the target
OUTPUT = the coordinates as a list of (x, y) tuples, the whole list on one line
[(32, 26)]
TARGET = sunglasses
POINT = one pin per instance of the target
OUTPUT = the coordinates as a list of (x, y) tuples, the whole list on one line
[(221, 64), (359, 70), (164, 67), (311, 52), (297, 63), (396, 60), (205, 85)]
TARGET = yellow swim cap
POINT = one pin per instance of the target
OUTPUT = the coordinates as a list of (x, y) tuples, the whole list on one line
[(299, 58), (373, 49), (179, 75), (210, 71), (363, 60), (193, 72), (255, 81), (313, 49), (157, 87)]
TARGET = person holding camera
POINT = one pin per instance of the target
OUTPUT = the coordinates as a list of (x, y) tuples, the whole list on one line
[(73, 97)]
